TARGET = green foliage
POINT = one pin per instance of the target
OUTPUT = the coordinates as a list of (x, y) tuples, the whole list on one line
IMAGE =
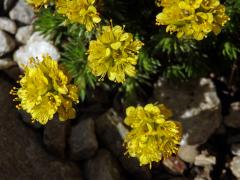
[(230, 51), (74, 58), (50, 24)]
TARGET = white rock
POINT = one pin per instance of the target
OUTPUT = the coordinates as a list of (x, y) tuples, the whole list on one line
[(188, 153), (204, 159), (22, 12), (8, 25), (235, 166), (24, 33), (35, 49), (7, 43)]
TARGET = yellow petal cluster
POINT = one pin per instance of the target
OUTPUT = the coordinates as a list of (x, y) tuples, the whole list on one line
[(38, 3), (153, 137), (79, 11), (192, 18), (115, 53), (46, 90)]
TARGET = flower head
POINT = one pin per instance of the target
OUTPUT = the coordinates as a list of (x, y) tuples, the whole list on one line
[(38, 3), (115, 53), (152, 137), (192, 18), (79, 11), (45, 90)]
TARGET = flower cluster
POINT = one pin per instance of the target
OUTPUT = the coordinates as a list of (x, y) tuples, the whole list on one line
[(115, 53), (79, 11), (45, 90), (192, 18), (38, 3), (152, 137)]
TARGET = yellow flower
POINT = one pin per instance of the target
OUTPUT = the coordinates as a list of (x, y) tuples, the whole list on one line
[(115, 53), (45, 90), (153, 137), (192, 18), (38, 3), (79, 11)]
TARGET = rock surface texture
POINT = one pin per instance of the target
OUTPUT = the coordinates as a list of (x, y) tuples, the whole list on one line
[(195, 104), (22, 154)]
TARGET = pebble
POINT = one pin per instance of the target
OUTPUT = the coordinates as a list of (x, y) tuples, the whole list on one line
[(35, 47), (24, 33), (7, 43), (8, 25), (22, 12)]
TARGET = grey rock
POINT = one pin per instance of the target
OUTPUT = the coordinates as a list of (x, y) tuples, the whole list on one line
[(22, 12), (188, 153), (55, 136), (12, 73), (174, 165), (107, 126), (22, 154), (195, 104), (235, 166), (35, 47), (8, 4), (103, 166), (24, 33), (8, 25), (83, 142), (7, 43), (6, 63), (233, 119), (131, 165), (110, 125)]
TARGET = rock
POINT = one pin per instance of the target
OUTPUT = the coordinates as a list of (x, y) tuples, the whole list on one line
[(8, 4), (195, 104), (188, 153), (233, 139), (12, 74), (7, 43), (83, 142), (24, 33), (6, 63), (55, 136), (22, 154), (131, 165), (204, 174), (107, 126), (235, 149), (235, 166), (174, 165), (110, 125), (103, 166), (8, 25), (22, 12), (204, 159), (35, 48), (233, 119)]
